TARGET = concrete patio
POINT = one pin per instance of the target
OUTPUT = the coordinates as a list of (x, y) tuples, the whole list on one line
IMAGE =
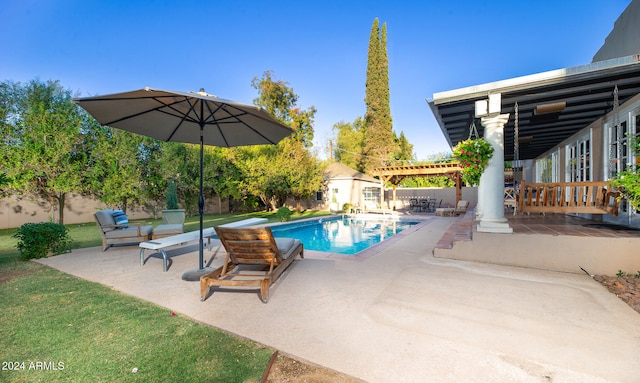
[(398, 314)]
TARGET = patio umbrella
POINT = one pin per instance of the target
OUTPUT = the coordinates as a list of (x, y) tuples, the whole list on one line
[(189, 117)]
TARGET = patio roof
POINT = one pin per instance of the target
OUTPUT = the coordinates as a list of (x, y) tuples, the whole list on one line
[(395, 174), (552, 105)]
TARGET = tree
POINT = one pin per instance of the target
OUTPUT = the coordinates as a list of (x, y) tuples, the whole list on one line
[(277, 98), (44, 150), (349, 143), (404, 150), (378, 145), (115, 165), (274, 172)]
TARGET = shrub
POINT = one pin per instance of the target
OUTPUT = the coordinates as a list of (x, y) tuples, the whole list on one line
[(38, 240), (172, 196), (346, 208), (284, 213)]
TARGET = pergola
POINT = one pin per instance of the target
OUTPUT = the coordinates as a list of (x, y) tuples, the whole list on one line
[(395, 174)]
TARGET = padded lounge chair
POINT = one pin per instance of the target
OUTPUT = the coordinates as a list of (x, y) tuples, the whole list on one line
[(248, 249), (113, 233), (461, 208)]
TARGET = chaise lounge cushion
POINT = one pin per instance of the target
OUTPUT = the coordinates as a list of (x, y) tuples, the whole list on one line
[(286, 246), (129, 232), (105, 219), (166, 230)]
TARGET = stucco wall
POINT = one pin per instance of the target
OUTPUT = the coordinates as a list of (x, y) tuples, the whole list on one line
[(16, 211), (447, 195)]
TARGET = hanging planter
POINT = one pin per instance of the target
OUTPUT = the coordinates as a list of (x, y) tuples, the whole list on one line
[(473, 156)]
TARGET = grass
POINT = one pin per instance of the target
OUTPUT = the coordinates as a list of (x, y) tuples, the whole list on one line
[(89, 332), (87, 235), (94, 334)]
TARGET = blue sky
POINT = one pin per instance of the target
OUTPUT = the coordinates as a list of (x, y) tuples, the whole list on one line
[(318, 47)]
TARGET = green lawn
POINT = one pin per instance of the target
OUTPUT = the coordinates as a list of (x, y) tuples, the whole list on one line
[(87, 234), (58, 328)]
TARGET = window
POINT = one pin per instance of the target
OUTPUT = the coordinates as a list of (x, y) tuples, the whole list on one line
[(371, 195), (547, 168), (618, 148), (319, 195), (579, 160)]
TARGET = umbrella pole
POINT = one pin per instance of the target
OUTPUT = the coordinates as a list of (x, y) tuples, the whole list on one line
[(195, 274)]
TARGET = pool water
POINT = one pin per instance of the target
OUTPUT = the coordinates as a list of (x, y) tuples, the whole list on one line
[(341, 235)]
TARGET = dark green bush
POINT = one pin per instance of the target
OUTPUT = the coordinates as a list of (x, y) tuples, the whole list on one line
[(38, 240), (284, 213), (172, 196)]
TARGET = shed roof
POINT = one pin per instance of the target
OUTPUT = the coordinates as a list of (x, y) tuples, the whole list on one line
[(337, 170)]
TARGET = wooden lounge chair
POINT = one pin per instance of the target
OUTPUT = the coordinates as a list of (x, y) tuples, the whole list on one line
[(248, 249)]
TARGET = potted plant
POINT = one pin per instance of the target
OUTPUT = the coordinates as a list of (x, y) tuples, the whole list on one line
[(172, 214), (474, 156)]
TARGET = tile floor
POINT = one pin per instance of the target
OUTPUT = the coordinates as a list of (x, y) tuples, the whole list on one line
[(553, 224)]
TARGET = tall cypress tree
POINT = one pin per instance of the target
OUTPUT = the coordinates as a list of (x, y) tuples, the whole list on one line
[(378, 145)]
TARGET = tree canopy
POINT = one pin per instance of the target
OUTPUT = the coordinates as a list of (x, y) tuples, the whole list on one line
[(370, 142), (378, 146), (288, 169), (44, 147), (52, 147)]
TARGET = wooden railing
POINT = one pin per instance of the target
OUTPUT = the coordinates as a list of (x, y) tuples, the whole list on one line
[(568, 197)]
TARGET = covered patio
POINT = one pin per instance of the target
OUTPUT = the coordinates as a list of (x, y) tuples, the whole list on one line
[(557, 242), (536, 116)]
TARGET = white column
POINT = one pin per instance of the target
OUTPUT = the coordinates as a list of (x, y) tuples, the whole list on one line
[(480, 201), (492, 180)]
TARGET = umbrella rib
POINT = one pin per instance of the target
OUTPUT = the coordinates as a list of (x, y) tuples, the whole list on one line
[(155, 109), (184, 116), (211, 115), (233, 118)]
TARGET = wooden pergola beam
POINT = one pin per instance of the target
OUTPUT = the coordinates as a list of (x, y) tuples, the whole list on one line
[(395, 174)]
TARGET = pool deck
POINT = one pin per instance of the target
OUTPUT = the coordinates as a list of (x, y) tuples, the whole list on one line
[(398, 314)]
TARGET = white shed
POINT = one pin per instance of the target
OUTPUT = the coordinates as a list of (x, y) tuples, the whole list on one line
[(347, 185)]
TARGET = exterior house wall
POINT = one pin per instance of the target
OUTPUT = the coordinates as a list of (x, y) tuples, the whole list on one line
[(349, 191), (598, 132), (623, 39)]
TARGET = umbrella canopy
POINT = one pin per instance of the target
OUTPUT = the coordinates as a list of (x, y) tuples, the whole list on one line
[(180, 116), (189, 117)]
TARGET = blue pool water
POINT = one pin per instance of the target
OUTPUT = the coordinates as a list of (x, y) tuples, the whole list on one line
[(341, 235)]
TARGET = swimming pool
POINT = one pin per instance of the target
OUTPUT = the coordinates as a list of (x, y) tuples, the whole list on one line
[(346, 235)]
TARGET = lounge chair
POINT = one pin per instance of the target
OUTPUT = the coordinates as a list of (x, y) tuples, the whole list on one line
[(172, 224), (248, 248), (461, 208), (121, 232)]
